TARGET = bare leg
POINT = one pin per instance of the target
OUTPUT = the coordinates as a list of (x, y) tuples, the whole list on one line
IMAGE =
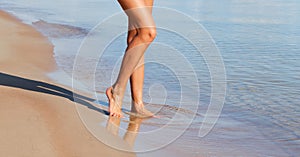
[(137, 77), (143, 21)]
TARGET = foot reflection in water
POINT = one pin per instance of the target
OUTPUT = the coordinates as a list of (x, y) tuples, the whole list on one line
[(113, 125)]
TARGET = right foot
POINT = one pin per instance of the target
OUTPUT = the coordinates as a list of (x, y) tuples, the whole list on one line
[(140, 110), (114, 103)]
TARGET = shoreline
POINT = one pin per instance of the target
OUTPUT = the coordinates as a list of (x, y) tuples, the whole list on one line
[(37, 115), (32, 61), (27, 99)]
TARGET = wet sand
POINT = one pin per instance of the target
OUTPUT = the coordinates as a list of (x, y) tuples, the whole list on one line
[(37, 115)]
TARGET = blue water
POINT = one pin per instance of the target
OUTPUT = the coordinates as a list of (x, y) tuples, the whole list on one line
[(259, 41)]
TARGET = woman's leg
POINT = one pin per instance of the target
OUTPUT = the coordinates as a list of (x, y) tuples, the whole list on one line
[(137, 77), (146, 32)]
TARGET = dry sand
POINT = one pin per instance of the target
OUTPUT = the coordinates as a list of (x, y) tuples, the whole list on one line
[(35, 119)]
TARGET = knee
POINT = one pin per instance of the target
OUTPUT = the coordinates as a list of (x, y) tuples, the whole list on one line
[(147, 34), (131, 34)]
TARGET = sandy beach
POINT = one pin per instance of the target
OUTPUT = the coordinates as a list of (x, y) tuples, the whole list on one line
[(37, 116), (53, 80)]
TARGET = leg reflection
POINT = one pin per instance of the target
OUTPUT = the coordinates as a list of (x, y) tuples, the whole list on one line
[(132, 130), (113, 125)]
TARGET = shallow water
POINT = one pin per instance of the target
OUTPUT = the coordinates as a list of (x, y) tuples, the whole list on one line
[(259, 43)]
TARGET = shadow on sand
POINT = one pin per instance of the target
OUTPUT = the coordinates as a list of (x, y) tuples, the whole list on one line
[(42, 87)]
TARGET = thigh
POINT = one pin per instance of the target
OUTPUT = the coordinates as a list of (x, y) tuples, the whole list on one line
[(128, 4), (138, 12), (148, 3)]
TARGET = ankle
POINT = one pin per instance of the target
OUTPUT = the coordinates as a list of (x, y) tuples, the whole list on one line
[(117, 89), (137, 102)]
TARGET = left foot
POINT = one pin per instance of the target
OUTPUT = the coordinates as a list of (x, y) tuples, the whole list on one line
[(114, 103)]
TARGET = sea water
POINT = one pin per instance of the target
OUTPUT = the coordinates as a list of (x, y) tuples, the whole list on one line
[(258, 41)]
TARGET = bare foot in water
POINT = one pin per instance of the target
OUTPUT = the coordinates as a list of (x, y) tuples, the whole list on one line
[(140, 110), (114, 103)]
